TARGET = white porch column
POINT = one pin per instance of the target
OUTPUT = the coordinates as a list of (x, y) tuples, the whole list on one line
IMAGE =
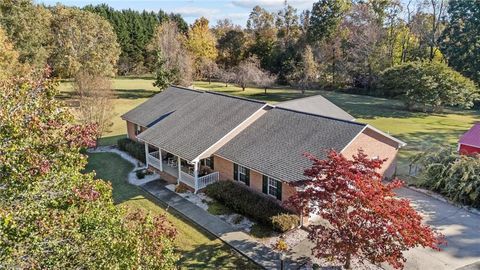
[(179, 163), (160, 158), (146, 155), (195, 175)]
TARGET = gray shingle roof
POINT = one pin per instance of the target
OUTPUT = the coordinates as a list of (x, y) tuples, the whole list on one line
[(164, 103), (275, 143), (200, 123), (316, 105)]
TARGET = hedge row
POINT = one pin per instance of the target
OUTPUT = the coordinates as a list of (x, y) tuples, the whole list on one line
[(244, 201), (135, 149)]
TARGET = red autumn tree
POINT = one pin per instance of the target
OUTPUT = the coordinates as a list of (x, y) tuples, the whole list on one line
[(363, 217)]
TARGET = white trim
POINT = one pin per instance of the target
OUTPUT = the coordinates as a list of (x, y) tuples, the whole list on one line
[(229, 133), (133, 123), (195, 176), (166, 150), (239, 173), (276, 188), (476, 146), (354, 138), (400, 143)]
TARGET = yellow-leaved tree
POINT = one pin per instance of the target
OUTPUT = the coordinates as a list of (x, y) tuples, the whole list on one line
[(201, 42)]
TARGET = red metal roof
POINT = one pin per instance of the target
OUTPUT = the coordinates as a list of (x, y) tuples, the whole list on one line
[(471, 137)]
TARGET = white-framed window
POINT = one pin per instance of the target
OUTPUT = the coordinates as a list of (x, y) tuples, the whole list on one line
[(242, 174), (138, 129), (272, 187)]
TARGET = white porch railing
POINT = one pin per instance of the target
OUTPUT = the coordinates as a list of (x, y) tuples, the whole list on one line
[(187, 179), (153, 159), (202, 181), (207, 180)]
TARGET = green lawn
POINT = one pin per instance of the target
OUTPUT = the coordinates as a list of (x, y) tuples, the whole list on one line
[(129, 93), (419, 130), (197, 248)]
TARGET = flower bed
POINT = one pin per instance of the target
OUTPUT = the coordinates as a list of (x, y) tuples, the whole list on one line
[(261, 208)]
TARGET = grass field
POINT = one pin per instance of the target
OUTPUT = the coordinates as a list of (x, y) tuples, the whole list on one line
[(197, 248), (420, 131)]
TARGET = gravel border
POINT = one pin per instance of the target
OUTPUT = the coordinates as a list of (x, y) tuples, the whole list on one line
[(132, 177)]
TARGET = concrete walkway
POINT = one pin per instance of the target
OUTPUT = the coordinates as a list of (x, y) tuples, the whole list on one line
[(239, 240)]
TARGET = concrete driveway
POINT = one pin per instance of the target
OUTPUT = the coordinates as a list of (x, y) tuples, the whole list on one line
[(461, 228)]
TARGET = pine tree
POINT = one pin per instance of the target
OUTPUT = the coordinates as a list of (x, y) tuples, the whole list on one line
[(163, 76)]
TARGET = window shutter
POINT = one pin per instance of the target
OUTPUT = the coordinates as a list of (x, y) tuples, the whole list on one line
[(279, 190), (235, 172), (247, 177), (211, 162), (265, 185)]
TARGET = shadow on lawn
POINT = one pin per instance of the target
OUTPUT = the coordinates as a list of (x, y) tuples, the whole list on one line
[(208, 255), (134, 93), (432, 138), (110, 140)]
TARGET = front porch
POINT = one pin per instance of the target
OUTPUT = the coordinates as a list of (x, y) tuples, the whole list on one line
[(196, 175)]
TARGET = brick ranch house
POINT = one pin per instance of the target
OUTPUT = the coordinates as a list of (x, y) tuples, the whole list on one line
[(199, 137)]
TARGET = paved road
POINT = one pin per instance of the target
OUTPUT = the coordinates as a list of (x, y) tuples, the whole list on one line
[(461, 228)]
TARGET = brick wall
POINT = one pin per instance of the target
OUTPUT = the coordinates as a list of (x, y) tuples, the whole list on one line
[(131, 130), (225, 168), (287, 191), (375, 145)]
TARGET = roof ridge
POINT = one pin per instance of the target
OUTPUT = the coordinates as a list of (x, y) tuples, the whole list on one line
[(186, 88), (312, 96), (322, 116), (236, 97)]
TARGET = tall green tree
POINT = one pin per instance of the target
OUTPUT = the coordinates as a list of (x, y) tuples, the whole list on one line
[(460, 42), (163, 75), (287, 22), (325, 17), (231, 48), (263, 33), (82, 41), (306, 71), (28, 28), (134, 31)]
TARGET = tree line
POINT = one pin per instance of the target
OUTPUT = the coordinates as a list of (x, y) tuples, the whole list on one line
[(357, 46)]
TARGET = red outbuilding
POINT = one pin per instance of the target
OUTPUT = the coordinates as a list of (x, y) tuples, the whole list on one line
[(469, 143)]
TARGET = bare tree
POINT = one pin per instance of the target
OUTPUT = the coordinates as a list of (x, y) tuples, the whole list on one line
[(208, 69), (95, 96), (248, 72), (438, 8), (227, 76), (171, 43), (266, 80)]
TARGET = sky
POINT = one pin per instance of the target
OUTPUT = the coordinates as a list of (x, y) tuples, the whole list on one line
[(236, 10)]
